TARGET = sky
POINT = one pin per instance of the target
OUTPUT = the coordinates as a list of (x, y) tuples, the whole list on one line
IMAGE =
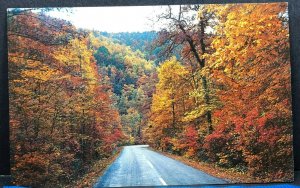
[(113, 19)]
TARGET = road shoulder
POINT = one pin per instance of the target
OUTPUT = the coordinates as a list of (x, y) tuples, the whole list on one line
[(232, 177), (96, 171)]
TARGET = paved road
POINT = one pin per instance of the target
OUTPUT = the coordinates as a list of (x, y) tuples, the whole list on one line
[(139, 166)]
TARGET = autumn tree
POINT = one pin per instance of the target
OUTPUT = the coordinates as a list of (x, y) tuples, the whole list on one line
[(251, 67), (187, 32), (166, 110), (61, 118)]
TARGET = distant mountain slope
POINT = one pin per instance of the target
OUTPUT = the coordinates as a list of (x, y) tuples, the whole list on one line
[(136, 40), (140, 41), (126, 73)]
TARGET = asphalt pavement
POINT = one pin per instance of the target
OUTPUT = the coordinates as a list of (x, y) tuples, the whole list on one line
[(139, 166)]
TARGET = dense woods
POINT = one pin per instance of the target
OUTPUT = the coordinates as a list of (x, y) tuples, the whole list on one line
[(62, 118), (212, 86), (228, 100)]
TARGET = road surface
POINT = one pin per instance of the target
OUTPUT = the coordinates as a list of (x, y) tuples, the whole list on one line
[(140, 166)]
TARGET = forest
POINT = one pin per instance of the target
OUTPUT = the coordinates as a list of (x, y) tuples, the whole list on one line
[(214, 87)]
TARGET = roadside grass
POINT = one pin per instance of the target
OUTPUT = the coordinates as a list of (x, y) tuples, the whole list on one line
[(97, 170), (232, 176)]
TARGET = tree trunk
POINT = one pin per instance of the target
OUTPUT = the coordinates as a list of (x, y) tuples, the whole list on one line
[(204, 80), (201, 63), (173, 112)]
